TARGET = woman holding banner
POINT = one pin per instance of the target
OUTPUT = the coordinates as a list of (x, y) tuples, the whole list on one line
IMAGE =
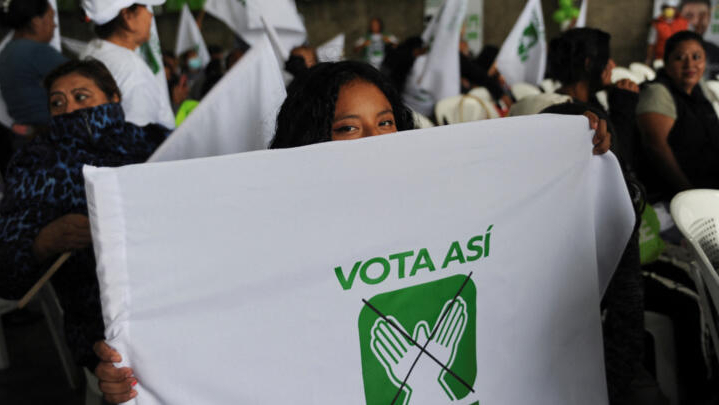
[(27, 58), (332, 102), (122, 26), (44, 211)]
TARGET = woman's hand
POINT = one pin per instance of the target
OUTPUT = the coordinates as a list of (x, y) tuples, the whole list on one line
[(115, 383), (626, 84), (69, 232), (602, 138)]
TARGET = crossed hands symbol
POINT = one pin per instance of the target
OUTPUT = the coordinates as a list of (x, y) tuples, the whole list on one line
[(397, 353)]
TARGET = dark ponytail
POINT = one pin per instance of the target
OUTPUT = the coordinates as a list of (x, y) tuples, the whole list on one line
[(17, 14)]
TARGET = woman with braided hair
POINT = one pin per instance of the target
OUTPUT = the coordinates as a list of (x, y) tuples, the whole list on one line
[(26, 59)]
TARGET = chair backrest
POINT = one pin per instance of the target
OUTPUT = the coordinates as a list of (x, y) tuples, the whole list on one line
[(550, 86), (456, 109), (421, 121), (621, 73), (481, 93), (643, 70), (696, 214), (522, 90)]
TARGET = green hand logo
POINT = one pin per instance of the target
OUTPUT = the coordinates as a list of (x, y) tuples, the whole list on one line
[(418, 344), (397, 353)]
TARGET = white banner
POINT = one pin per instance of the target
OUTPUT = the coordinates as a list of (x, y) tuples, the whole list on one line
[(243, 17), (712, 34), (582, 18), (474, 26), (237, 115), (55, 41), (189, 37), (5, 118), (436, 75), (523, 57), (332, 50), (259, 278)]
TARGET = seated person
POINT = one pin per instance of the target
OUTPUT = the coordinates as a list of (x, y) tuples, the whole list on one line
[(44, 211), (679, 127)]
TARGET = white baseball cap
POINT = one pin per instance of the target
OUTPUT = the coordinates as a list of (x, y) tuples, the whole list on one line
[(103, 11)]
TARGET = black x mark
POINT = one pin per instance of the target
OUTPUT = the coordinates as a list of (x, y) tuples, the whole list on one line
[(423, 349)]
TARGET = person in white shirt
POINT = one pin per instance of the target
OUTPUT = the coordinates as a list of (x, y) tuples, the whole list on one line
[(122, 26)]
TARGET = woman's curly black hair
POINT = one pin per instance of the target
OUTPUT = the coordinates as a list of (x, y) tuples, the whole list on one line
[(577, 55), (307, 114)]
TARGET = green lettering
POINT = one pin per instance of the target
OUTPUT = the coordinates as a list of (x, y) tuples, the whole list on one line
[(385, 271), (400, 261), (454, 253), (486, 241), (344, 282), (474, 245), (423, 261)]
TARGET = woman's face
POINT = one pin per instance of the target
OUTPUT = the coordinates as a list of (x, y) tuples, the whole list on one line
[(139, 23), (361, 110), (44, 25), (685, 65), (73, 92)]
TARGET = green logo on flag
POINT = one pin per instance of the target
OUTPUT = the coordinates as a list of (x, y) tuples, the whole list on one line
[(418, 344), (530, 38)]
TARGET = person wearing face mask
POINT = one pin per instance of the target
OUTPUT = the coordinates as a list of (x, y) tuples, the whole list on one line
[(27, 58), (698, 14), (680, 129), (44, 211), (668, 23), (122, 26)]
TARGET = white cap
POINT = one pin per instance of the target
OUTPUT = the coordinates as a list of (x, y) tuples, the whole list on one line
[(103, 11), (671, 3)]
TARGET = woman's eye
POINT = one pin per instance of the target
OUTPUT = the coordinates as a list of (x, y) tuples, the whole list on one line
[(81, 97), (345, 128), (386, 123)]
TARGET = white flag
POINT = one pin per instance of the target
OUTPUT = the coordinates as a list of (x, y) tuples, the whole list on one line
[(582, 18), (5, 118), (523, 57), (55, 41), (151, 52), (436, 75), (243, 17), (332, 50), (189, 37), (237, 115), (75, 46), (271, 268)]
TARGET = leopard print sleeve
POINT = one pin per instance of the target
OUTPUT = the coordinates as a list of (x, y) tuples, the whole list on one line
[(28, 206)]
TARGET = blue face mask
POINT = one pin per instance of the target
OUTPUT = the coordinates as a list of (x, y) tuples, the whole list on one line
[(195, 63)]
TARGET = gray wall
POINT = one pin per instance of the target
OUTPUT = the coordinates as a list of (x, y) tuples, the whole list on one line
[(627, 21)]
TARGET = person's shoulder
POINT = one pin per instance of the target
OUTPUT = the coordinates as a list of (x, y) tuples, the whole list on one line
[(656, 98), (655, 90)]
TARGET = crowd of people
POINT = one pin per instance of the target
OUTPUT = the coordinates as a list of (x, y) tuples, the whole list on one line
[(107, 109)]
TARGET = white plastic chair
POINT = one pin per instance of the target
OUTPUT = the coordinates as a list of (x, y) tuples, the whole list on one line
[(550, 86), (696, 214), (421, 121), (621, 73), (54, 317), (643, 70), (5, 307), (456, 109), (522, 90), (482, 93)]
